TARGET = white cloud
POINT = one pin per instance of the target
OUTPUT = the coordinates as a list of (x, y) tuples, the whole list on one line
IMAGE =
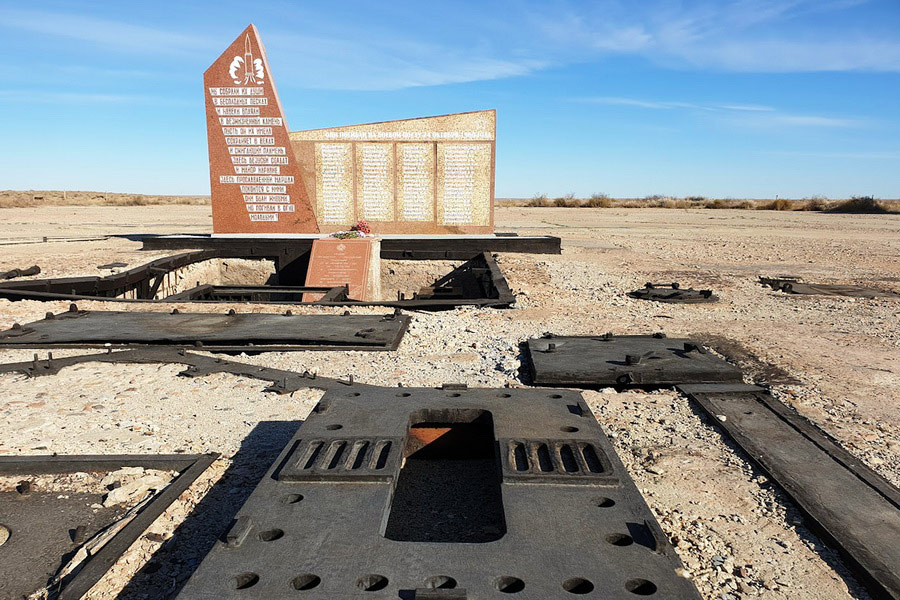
[(105, 32), (756, 115), (49, 97), (769, 36), (385, 64)]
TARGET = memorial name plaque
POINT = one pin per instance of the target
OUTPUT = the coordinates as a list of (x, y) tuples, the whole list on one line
[(254, 178), (430, 175), (427, 175), (355, 262)]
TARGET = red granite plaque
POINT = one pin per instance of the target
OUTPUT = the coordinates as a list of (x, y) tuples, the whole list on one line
[(335, 262), (254, 177)]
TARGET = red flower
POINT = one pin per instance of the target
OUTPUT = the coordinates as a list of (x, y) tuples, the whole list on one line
[(362, 227)]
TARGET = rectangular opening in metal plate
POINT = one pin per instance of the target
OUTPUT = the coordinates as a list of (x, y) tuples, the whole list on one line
[(449, 487)]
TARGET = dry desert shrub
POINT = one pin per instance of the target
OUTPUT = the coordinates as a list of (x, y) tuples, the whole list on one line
[(816, 203), (34, 198), (676, 203), (718, 203), (567, 201), (598, 201), (861, 205), (538, 201), (777, 204)]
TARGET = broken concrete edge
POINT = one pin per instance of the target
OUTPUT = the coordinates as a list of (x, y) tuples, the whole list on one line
[(868, 564), (189, 467)]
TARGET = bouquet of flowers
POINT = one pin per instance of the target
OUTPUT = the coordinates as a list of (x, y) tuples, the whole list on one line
[(360, 230)]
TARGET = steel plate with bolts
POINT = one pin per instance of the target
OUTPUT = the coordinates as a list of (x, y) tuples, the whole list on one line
[(42, 529), (625, 360), (455, 493), (222, 332)]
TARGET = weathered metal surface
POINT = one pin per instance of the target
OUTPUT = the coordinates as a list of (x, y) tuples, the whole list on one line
[(138, 281), (47, 527), (265, 294), (435, 247), (855, 508), (13, 273), (793, 285), (477, 282), (422, 494), (222, 332), (625, 361), (282, 382), (673, 293)]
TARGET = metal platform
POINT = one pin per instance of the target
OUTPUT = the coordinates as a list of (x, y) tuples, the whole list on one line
[(477, 282), (674, 294), (456, 493), (793, 285), (425, 247), (216, 332), (46, 528), (849, 504), (625, 361)]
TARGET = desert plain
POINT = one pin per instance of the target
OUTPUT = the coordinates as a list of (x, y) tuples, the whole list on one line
[(835, 360)]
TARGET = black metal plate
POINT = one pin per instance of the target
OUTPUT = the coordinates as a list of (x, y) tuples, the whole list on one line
[(792, 285), (673, 293), (41, 523), (455, 516), (850, 504), (224, 332), (623, 361), (437, 247), (477, 282)]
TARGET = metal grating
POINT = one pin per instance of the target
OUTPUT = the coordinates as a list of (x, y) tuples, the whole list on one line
[(572, 461), (342, 459), (452, 521)]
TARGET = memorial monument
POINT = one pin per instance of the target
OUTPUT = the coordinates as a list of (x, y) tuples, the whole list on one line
[(431, 175)]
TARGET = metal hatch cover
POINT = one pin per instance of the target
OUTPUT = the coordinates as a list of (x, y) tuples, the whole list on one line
[(418, 494), (625, 361), (224, 332)]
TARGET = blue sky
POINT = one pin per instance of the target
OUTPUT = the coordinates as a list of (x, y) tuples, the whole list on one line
[(717, 98)]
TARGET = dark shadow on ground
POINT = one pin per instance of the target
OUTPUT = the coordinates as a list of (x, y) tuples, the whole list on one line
[(170, 567)]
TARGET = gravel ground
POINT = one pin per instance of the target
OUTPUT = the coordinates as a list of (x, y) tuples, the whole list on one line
[(835, 360)]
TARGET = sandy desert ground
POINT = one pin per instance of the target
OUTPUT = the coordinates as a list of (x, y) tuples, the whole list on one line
[(837, 359)]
